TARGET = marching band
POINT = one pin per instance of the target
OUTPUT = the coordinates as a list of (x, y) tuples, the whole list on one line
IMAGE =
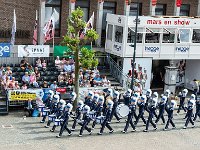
[(100, 109)]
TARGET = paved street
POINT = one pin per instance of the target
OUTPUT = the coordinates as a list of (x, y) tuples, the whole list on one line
[(30, 134)]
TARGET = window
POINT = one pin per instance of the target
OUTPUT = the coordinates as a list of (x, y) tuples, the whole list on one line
[(168, 35), (183, 36), (185, 10), (84, 5), (131, 35), (133, 9), (196, 36), (160, 9), (118, 34), (110, 32), (53, 7), (152, 35)]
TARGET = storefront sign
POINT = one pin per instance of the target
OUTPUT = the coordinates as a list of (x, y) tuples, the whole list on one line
[(151, 49), (4, 49), (18, 34), (182, 49), (117, 47), (14, 95), (33, 50)]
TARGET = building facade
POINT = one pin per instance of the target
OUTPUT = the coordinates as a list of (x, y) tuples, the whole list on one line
[(26, 14)]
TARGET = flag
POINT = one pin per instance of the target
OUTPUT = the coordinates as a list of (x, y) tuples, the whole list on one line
[(35, 31), (89, 25), (14, 28), (153, 2), (178, 3), (49, 29)]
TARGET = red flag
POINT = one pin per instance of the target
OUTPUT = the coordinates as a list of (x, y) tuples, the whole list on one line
[(49, 29), (35, 31), (154, 2), (178, 3)]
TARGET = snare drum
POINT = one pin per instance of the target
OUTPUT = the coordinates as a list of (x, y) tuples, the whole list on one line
[(100, 119), (57, 122), (92, 115), (45, 112), (41, 108), (52, 118), (122, 110)]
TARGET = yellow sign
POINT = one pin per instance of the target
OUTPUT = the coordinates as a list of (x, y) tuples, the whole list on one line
[(21, 95)]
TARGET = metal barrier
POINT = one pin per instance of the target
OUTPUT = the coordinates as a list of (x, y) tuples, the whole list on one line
[(117, 72)]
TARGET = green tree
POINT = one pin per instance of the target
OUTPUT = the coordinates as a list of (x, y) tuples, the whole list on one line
[(83, 57)]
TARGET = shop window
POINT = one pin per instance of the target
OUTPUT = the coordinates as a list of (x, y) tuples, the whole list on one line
[(131, 35), (160, 9), (185, 10), (118, 34), (152, 35), (133, 9), (54, 7), (196, 36), (168, 35), (183, 36), (84, 5), (109, 32)]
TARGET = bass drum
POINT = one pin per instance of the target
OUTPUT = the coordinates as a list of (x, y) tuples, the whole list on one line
[(122, 110)]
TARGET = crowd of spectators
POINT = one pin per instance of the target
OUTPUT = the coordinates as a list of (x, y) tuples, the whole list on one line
[(41, 75)]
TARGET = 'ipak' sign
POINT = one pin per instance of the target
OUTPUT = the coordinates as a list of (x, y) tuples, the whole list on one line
[(152, 49), (4, 49)]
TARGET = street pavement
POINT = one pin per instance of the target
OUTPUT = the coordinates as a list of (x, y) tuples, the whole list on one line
[(28, 134)]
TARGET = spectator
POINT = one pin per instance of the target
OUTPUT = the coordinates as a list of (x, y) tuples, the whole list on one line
[(71, 61), (29, 107), (92, 81), (1, 71), (104, 81), (37, 73), (16, 85), (45, 85), (23, 64), (26, 78), (10, 76), (44, 65), (62, 62), (97, 80), (38, 63), (61, 77), (24, 87), (72, 67), (32, 78), (11, 84), (67, 68), (29, 69), (8, 71), (54, 85), (57, 62)]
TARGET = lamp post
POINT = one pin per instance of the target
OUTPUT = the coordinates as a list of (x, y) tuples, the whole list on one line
[(135, 41)]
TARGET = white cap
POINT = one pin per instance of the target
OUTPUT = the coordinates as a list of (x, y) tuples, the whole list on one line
[(101, 100), (86, 109), (116, 94), (193, 97), (144, 98), (110, 104), (96, 97), (69, 107), (149, 92), (155, 94), (164, 98)]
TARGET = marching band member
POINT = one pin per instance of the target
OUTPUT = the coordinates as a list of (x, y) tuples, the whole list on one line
[(72, 98), (182, 101), (58, 111), (162, 105), (155, 96), (170, 111), (115, 101), (77, 113), (189, 115), (141, 104), (151, 110), (108, 96), (148, 95), (197, 109), (98, 109), (95, 101), (107, 118), (88, 99), (50, 95), (127, 97), (52, 107), (86, 121), (132, 109), (65, 117)]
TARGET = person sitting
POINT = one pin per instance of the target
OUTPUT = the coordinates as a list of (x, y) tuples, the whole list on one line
[(104, 81), (67, 68), (61, 77), (37, 73), (57, 62), (45, 85), (38, 63), (1, 70), (32, 78), (24, 86), (97, 80), (26, 78), (11, 84), (54, 85), (29, 69), (44, 65), (16, 85), (8, 71)]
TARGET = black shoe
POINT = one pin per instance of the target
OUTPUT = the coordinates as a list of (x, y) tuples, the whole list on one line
[(58, 136), (111, 131), (145, 130)]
